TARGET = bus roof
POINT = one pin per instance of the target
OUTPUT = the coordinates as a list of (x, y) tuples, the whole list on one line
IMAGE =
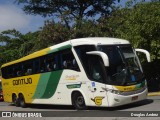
[(69, 44), (98, 41)]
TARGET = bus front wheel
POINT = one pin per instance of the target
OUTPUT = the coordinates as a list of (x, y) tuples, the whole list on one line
[(78, 101)]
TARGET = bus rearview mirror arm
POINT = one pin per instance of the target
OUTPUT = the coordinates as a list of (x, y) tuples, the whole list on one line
[(145, 52), (102, 55)]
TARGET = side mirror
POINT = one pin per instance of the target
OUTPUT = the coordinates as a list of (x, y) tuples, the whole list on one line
[(102, 55), (145, 52)]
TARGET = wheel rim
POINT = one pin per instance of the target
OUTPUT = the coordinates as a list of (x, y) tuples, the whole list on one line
[(22, 102), (14, 99), (80, 101)]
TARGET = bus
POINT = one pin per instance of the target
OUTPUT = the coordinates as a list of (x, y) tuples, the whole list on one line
[(96, 71)]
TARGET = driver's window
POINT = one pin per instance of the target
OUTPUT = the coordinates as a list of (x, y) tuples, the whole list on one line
[(96, 73), (95, 68)]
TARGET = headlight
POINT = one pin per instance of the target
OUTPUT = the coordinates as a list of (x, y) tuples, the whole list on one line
[(113, 91)]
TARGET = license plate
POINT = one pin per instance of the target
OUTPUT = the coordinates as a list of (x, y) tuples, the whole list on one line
[(134, 98)]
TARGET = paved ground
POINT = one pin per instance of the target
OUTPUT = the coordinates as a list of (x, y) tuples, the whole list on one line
[(150, 105)]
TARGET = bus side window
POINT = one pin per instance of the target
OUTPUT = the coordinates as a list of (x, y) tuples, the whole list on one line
[(65, 65), (5, 72), (42, 64), (56, 64), (28, 68), (36, 66), (75, 65), (49, 62), (10, 72), (68, 60), (17, 70)]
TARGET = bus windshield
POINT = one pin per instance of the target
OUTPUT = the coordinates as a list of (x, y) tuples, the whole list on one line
[(124, 68)]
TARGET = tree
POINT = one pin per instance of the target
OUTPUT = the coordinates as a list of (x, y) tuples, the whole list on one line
[(51, 33), (15, 45), (140, 24), (68, 10), (9, 50), (91, 28)]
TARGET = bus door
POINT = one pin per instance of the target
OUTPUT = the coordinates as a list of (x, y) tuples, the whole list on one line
[(97, 75)]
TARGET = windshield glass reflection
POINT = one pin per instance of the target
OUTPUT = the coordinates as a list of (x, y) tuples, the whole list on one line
[(124, 68)]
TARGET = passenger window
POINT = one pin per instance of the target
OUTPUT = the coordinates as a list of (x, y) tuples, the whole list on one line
[(10, 72), (75, 65), (68, 60), (49, 63), (56, 64), (17, 69), (36, 65), (28, 68), (4, 72), (42, 64)]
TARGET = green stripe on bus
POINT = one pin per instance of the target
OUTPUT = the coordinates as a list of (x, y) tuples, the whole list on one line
[(59, 49), (42, 84), (52, 84)]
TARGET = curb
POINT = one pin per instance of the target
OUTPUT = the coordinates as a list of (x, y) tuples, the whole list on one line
[(154, 94)]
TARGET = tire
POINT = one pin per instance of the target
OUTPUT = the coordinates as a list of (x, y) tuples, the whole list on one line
[(22, 101), (14, 99), (17, 102), (78, 101)]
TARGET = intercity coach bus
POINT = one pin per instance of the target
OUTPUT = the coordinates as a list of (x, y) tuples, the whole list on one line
[(102, 72)]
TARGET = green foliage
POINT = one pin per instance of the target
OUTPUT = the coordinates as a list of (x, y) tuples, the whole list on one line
[(68, 10), (140, 24), (15, 45), (51, 33), (88, 29)]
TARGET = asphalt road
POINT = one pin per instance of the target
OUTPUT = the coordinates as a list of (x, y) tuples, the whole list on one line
[(150, 107)]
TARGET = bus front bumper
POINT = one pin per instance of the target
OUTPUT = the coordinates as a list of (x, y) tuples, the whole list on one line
[(118, 100)]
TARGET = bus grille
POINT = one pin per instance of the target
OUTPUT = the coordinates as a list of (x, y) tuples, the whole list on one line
[(133, 92)]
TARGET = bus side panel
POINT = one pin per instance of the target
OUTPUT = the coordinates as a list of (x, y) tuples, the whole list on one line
[(7, 88), (25, 85), (69, 81), (72, 81)]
